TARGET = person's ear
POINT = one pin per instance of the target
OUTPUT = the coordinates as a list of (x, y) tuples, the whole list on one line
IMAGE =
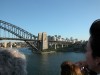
[(98, 61)]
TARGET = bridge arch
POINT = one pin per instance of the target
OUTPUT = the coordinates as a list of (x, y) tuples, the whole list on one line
[(17, 31)]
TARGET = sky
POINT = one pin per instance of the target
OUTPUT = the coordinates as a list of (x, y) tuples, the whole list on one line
[(68, 18)]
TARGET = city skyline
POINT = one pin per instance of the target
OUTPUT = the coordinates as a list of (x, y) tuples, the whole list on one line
[(67, 18)]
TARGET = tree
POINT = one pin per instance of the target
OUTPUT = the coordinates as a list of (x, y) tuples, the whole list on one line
[(71, 39), (76, 40), (67, 39)]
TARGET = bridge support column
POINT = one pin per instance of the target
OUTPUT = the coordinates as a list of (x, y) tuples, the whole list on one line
[(55, 46), (5, 44), (10, 44), (44, 41), (62, 45), (39, 44)]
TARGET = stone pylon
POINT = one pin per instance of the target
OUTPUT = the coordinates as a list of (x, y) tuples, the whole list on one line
[(39, 36), (39, 43), (44, 41), (5, 44)]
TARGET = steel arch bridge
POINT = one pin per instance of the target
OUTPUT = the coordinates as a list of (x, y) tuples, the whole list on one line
[(18, 32)]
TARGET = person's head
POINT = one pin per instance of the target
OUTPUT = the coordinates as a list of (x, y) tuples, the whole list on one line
[(93, 47), (12, 62), (68, 68)]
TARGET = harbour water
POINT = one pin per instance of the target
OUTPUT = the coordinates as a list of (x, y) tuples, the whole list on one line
[(48, 63)]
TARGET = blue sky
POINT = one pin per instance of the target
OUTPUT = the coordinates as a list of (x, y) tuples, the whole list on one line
[(68, 18)]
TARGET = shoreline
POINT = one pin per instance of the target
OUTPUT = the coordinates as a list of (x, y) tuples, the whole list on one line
[(52, 50)]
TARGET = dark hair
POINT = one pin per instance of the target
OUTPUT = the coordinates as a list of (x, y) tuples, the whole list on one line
[(95, 38), (69, 68), (66, 68)]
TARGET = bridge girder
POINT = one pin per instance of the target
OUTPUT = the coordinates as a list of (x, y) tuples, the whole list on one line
[(17, 31)]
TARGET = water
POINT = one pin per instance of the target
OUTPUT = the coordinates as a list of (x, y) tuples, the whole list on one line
[(49, 63)]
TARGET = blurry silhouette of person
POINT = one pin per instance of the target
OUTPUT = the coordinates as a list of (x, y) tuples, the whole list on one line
[(92, 49), (12, 62)]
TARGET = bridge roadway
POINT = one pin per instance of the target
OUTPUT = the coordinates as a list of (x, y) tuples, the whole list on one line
[(23, 39), (2, 38)]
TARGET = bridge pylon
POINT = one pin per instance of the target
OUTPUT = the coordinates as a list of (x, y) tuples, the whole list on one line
[(5, 44), (43, 41)]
